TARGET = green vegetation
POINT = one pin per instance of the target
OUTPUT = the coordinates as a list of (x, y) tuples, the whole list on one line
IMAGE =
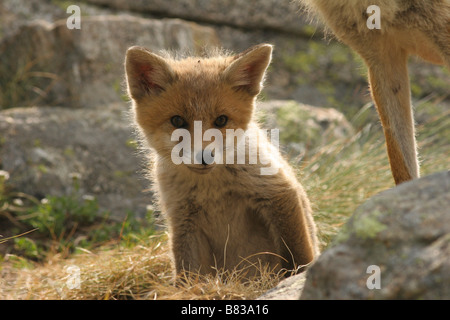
[(329, 67), (63, 224), (341, 176), (290, 119), (24, 83)]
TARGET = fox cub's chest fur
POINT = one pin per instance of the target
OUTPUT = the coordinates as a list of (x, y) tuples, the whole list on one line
[(226, 219), (223, 213)]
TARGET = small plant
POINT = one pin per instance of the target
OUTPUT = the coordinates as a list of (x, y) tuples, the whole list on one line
[(27, 247), (56, 215), (61, 224)]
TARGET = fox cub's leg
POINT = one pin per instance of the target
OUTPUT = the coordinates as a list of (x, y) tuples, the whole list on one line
[(190, 249), (291, 229)]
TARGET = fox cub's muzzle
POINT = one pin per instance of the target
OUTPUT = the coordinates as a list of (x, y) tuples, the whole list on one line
[(204, 160)]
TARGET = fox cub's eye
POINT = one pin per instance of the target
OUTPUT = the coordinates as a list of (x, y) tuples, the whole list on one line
[(178, 122), (221, 121)]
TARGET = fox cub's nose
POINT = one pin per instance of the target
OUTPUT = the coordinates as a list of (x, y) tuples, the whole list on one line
[(204, 157)]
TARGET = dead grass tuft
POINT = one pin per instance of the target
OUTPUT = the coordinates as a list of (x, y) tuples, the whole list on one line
[(141, 272)]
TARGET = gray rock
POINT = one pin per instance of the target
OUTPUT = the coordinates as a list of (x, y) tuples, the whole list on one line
[(401, 235), (303, 127), (399, 239), (44, 149), (287, 289), (48, 64), (253, 14), (304, 67)]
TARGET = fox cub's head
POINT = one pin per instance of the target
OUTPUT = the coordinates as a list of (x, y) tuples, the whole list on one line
[(195, 94)]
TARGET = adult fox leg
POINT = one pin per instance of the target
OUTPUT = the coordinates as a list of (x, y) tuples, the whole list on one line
[(389, 84)]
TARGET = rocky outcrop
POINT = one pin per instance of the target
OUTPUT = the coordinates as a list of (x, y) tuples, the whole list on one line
[(251, 14), (44, 149), (288, 289), (49, 64), (304, 67), (303, 127), (395, 246)]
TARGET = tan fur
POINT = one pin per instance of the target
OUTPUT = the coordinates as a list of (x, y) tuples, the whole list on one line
[(408, 27), (231, 217)]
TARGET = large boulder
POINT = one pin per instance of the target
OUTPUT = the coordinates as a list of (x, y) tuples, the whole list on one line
[(255, 14), (49, 64), (44, 149), (287, 289), (304, 67), (303, 127), (395, 246)]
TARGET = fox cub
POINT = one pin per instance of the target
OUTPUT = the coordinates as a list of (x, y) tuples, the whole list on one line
[(222, 215)]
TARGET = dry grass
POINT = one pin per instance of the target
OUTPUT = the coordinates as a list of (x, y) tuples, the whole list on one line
[(338, 177), (342, 175), (141, 272)]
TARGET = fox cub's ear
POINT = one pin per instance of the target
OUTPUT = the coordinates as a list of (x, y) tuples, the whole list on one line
[(247, 70), (146, 72)]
